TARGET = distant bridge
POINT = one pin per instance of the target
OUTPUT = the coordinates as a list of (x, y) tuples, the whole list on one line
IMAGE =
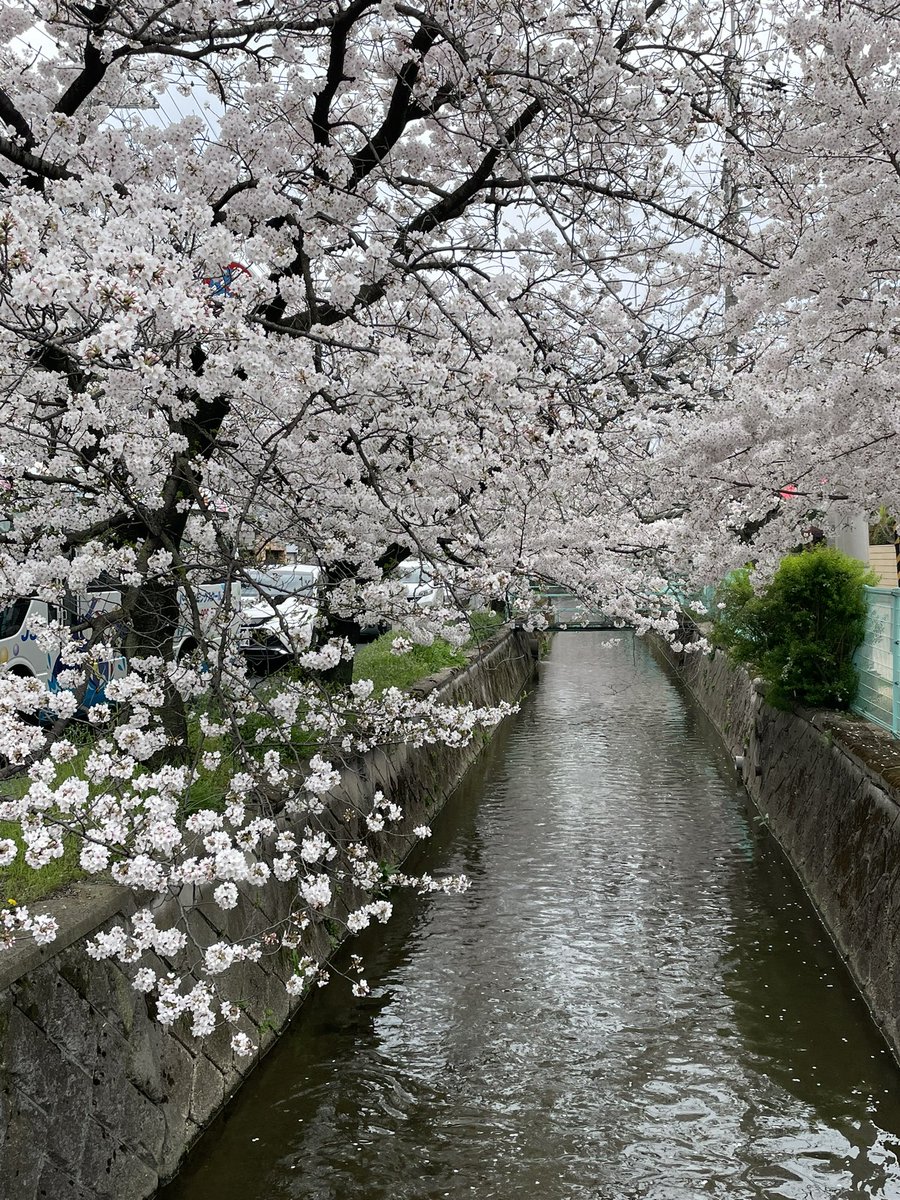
[(566, 613)]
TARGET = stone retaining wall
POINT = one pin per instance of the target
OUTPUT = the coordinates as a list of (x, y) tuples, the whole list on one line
[(97, 1100), (827, 785)]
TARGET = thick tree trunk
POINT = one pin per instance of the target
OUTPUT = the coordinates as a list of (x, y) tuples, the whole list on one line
[(151, 619)]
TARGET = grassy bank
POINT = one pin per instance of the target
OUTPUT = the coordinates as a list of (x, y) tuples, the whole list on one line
[(386, 669), (375, 661)]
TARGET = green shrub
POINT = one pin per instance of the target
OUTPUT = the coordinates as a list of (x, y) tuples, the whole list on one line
[(734, 623), (801, 630)]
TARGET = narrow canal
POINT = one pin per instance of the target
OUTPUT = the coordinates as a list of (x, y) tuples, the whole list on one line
[(634, 1001)]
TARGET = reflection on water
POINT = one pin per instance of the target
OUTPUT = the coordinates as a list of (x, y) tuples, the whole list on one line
[(634, 1000)]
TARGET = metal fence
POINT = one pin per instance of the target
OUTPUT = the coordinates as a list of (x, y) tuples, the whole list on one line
[(878, 661)]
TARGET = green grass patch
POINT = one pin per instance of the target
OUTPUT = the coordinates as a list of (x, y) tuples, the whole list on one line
[(22, 884), (386, 670), (376, 662)]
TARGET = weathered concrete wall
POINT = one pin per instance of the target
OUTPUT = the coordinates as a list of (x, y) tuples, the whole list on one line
[(827, 785), (97, 1100)]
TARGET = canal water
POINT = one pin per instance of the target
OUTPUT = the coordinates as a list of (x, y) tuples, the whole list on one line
[(634, 1001)]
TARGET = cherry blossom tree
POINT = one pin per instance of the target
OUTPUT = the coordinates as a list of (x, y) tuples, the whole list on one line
[(800, 426), (479, 301)]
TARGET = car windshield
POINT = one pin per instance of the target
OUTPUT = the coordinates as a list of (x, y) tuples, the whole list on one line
[(302, 585), (416, 576)]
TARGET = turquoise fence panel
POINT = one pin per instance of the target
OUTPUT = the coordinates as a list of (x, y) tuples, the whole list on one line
[(878, 661), (708, 597)]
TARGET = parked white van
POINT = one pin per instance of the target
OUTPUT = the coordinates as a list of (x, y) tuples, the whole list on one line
[(218, 607), (279, 609)]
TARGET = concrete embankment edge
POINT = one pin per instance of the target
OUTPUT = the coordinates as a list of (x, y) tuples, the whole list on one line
[(100, 1102), (826, 785)]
